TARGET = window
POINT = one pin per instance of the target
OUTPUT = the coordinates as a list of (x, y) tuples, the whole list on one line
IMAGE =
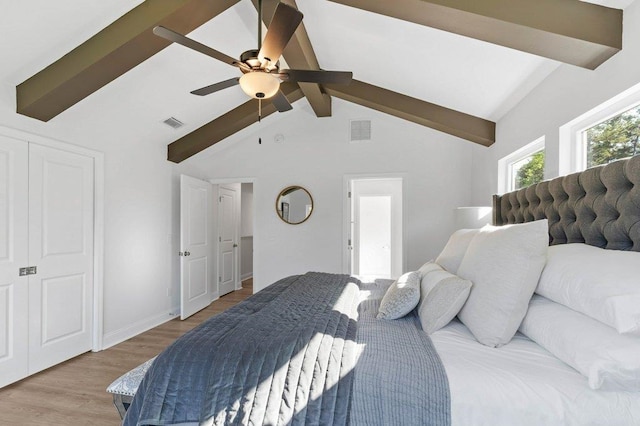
[(613, 139), (527, 171), (522, 168), (604, 134)]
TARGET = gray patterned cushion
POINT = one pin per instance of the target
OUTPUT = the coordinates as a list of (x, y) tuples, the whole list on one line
[(401, 297), (128, 383)]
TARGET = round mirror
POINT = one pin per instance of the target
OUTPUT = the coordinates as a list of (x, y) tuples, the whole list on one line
[(294, 205)]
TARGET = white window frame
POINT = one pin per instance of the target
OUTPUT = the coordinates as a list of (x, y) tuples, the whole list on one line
[(573, 149), (505, 164)]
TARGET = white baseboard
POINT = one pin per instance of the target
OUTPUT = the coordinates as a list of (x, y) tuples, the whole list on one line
[(119, 336), (246, 276)]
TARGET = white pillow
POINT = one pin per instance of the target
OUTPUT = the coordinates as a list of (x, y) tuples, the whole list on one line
[(603, 284), (453, 252), (609, 360), (504, 264), (401, 297), (442, 294)]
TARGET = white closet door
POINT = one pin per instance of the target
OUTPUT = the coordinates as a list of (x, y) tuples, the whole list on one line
[(14, 291), (61, 246)]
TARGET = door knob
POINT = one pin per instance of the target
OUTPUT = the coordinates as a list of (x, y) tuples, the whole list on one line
[(235, 245)]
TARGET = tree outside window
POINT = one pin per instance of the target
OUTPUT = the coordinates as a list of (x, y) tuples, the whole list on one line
[(528, 171), (613, 139)]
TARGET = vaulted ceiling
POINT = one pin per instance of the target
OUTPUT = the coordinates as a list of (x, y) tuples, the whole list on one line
[(451, 65)]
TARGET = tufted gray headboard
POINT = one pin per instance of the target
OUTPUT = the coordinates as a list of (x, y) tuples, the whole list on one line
[(599, 206)]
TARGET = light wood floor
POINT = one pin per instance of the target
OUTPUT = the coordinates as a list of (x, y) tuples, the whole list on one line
[(73, 393)]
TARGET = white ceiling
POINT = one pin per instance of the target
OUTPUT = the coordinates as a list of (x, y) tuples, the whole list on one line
[(453, 71)]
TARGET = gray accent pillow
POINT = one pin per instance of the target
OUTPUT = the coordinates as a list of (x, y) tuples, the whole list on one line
[(401, 297), (442, 295), (451, 255)]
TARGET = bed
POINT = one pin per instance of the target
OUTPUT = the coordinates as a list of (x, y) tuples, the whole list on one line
[(313, 349)]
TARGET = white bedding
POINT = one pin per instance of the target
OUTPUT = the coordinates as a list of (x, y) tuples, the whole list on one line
[(523, 384)]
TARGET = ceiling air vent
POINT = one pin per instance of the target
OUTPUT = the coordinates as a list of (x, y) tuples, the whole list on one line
[(173, 122), (360, 130)]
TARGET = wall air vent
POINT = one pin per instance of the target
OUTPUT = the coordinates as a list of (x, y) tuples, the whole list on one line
[(173, 122), (360, 131)]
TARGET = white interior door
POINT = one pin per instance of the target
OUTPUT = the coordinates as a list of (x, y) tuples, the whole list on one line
[(195, 245), (376, 228), (61, 247), (228, 232), (14, 290)]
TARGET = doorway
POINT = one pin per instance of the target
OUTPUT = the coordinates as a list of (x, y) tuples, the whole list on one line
[(375, 229), (235, 218), (211, 218), (229, 208)]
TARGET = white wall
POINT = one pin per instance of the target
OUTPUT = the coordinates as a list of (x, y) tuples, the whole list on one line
[(566, 94), (316, 154), (247, 210)]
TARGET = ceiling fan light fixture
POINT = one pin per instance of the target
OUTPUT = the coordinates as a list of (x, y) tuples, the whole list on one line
[(259, 84)]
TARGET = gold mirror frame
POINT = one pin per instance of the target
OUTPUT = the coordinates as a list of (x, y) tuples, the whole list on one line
[(283, 211)]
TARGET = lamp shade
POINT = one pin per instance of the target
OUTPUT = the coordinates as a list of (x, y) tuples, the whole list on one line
[(472, 217), (259, 84)]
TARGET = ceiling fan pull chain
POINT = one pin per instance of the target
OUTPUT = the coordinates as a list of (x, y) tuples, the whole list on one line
[(259, 110)]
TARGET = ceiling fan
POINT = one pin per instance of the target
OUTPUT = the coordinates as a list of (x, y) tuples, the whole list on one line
[(261, 73)]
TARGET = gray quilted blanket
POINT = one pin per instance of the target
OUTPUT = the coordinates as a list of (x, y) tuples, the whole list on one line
[(291, 354)]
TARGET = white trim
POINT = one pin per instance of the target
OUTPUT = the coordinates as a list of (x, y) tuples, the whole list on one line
[(505, 170), (215, 284), (132, 330), (246, 276), (572, 154), (222, 181), (98, 220), (346, 213), (98, 252)]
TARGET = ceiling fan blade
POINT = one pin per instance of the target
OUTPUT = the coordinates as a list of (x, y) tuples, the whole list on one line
[(284, 23), (317, 76), (175, 37), (207, 90), (280, 101)]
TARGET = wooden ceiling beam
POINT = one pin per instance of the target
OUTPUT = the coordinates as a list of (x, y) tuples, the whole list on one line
[(226, 125), (446, 120), (112, 52), (569, 31), (299, 54)]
